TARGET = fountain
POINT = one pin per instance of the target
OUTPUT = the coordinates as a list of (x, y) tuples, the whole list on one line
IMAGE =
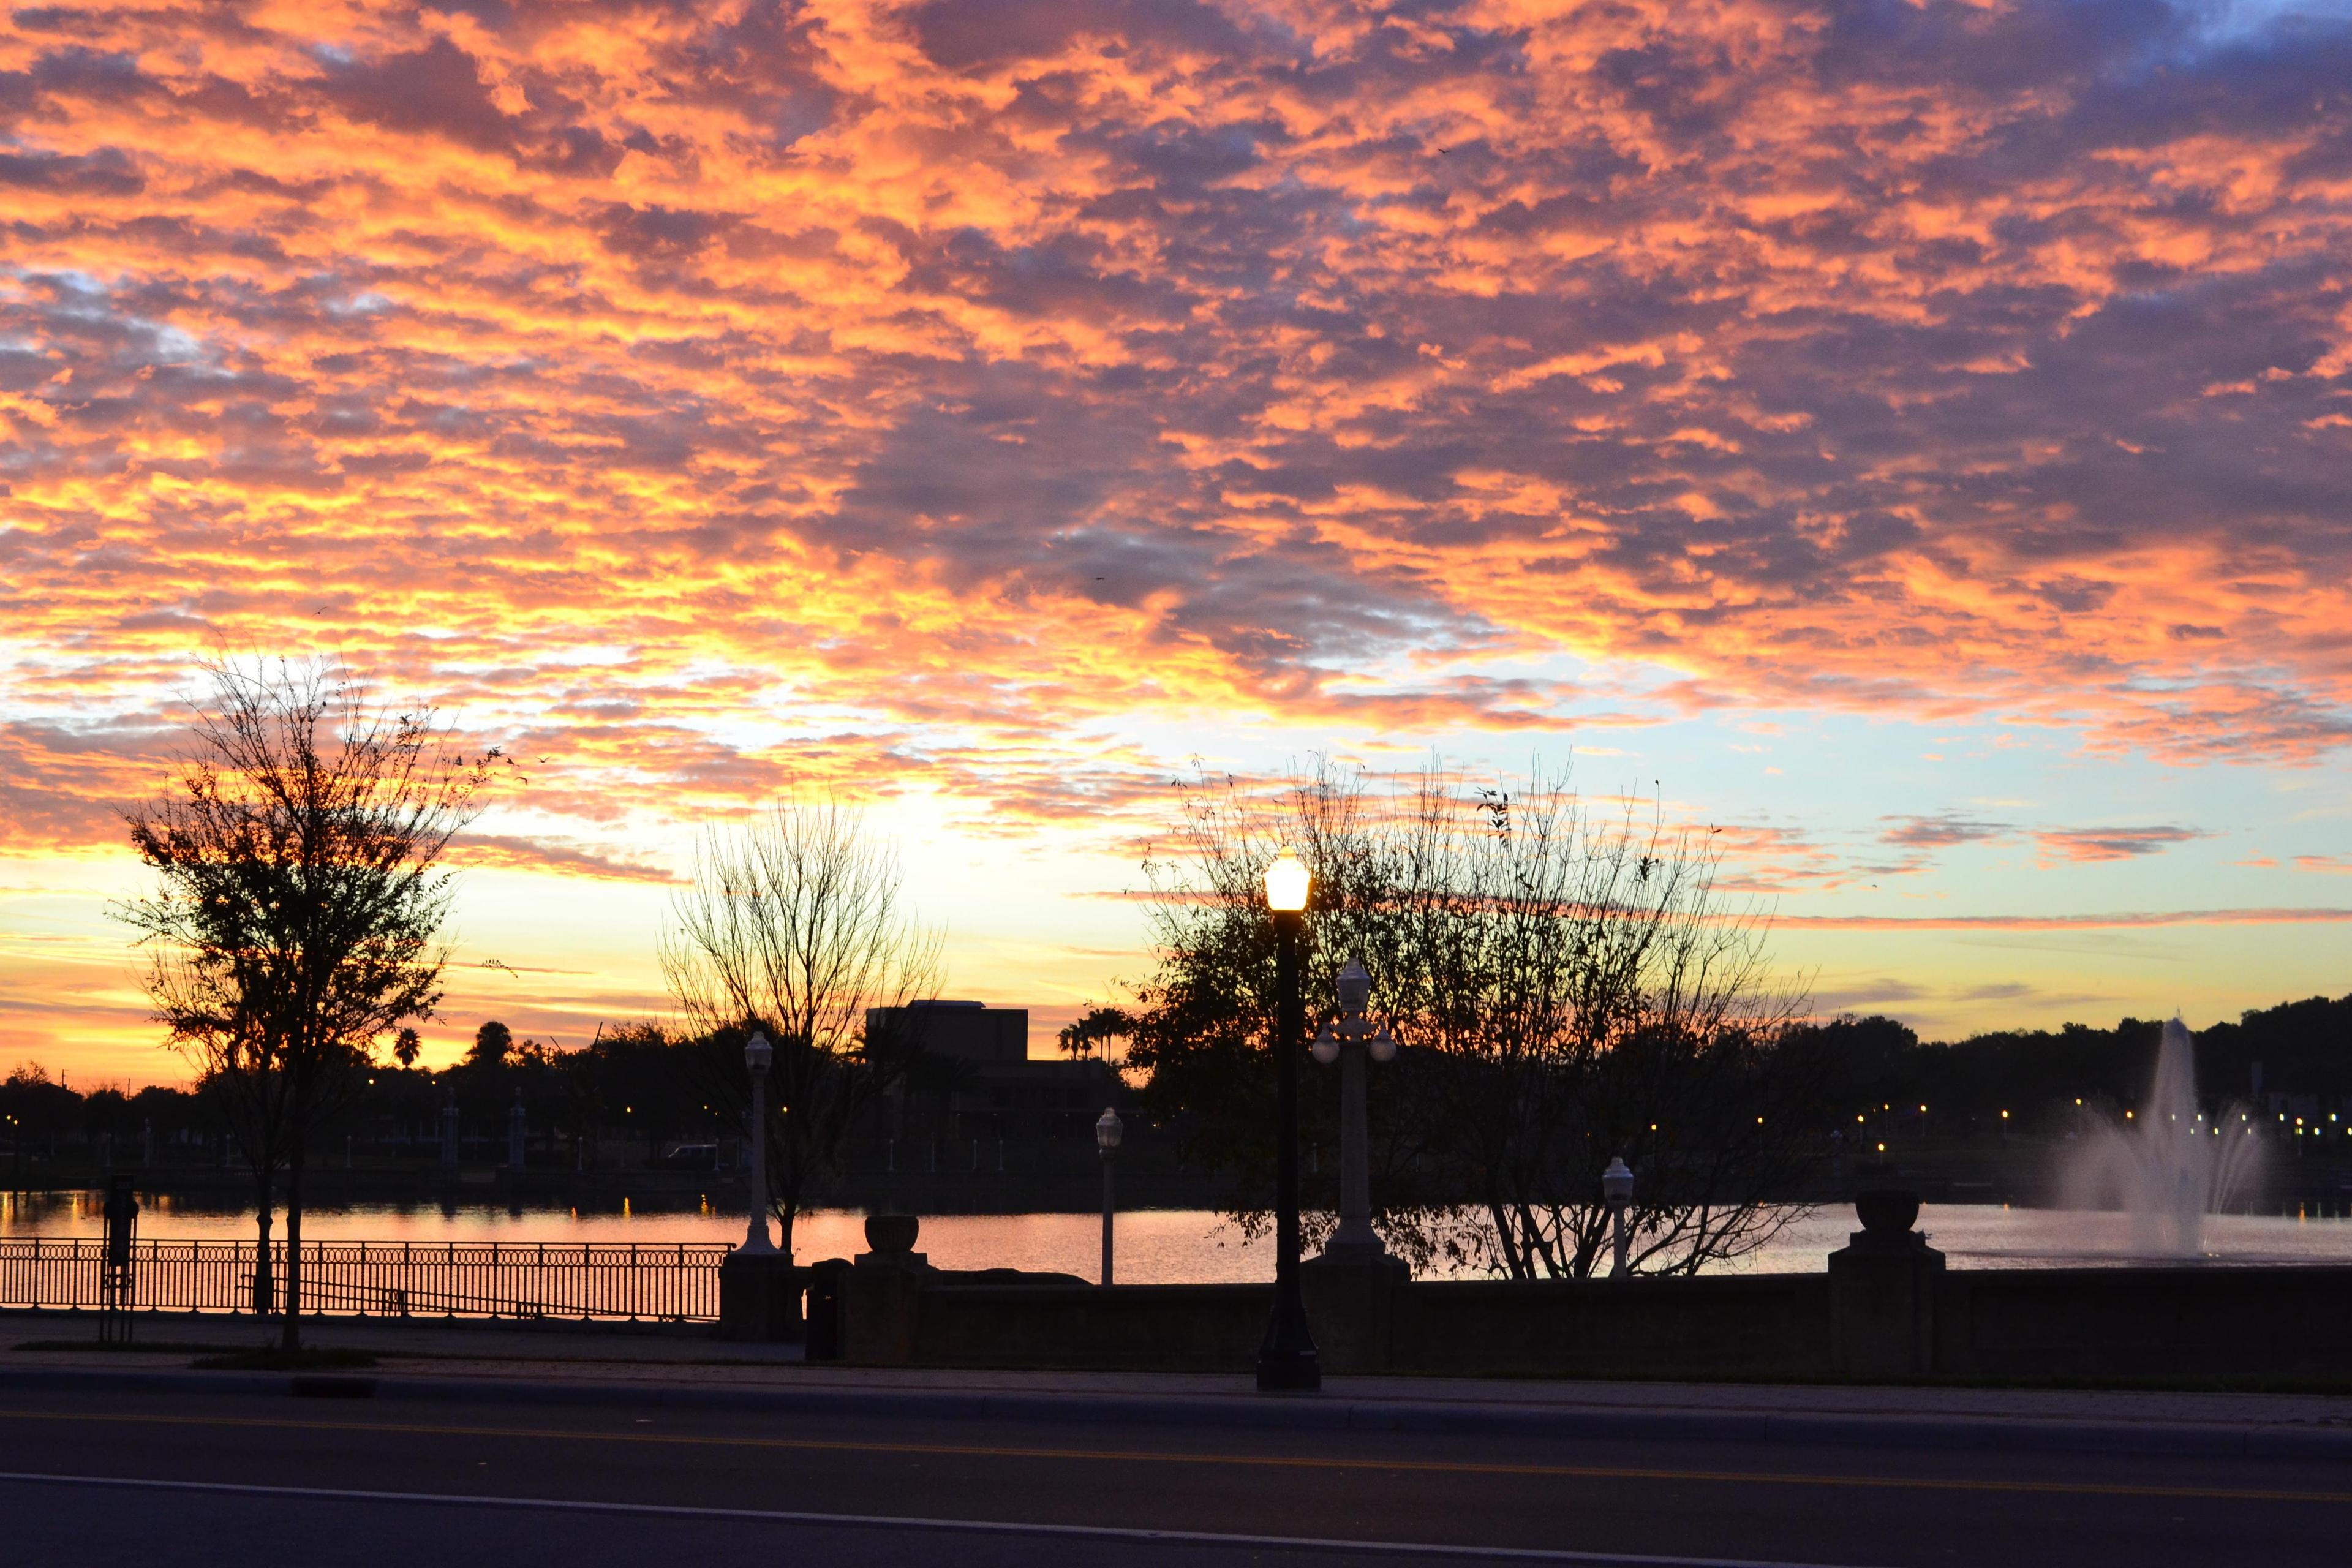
[(2170, 1165)]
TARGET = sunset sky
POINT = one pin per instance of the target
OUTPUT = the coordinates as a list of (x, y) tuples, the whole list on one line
[(1915, 439)]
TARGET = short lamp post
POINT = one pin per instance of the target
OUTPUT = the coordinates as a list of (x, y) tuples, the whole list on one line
[(1109, 1130), (757, 1056), (1349, 1041), (1286, 1359), (1617, 1190)]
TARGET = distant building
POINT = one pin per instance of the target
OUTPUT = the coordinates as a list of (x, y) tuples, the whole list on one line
[(966, 1031), (969, 1075)]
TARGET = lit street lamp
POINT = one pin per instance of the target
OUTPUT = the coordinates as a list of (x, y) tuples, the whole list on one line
[(1286, 1359), (1348, 1042), (1108, 1130), (757, 1056), (1617, 1189)]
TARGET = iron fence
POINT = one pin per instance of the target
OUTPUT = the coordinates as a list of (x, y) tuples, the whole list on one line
[(677, 1282)]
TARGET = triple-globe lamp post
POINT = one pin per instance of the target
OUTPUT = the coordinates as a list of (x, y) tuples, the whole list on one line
[(1350, 1040), (1617, 1191), (1286, 1359)]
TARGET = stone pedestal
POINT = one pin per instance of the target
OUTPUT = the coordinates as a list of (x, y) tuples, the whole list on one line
[(760, 1296), (1883, 1292), (881, 1294), (1350, 1293)]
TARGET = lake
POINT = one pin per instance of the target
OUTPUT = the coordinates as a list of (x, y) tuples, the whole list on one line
[(1171, 1246)]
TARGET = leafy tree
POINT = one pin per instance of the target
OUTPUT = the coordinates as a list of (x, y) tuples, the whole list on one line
[(1095, 1029), (1564, 991), (493, 1041), (299, 894), (795, 926), (39, 1104), (405, 1045)]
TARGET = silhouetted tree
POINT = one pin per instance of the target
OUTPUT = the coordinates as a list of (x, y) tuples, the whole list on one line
[(299, 892), (493, 1041), (1095, 1029), (796, 926), (1564, 991)]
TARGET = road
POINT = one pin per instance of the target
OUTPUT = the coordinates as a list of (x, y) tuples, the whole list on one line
[(173, 1477)]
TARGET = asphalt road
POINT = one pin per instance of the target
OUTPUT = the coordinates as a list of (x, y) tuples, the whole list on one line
[(155, 1480)]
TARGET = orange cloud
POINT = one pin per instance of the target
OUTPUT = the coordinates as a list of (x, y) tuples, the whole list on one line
[(962, 364), (2066, 922), (2091, 844)]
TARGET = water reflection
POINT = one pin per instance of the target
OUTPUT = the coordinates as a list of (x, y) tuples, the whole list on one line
[(1163, 1246)]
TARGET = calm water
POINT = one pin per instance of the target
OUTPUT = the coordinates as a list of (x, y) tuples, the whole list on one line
[(1172, 1246)]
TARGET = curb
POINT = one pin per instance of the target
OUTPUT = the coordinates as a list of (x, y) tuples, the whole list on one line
[(1309, 1413)]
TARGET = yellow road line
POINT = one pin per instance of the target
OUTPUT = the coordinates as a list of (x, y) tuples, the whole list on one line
[(1184, 1457)]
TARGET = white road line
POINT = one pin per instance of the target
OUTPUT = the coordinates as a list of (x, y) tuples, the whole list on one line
[(877, 1520)]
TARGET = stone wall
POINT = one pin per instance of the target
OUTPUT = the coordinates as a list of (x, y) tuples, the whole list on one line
[(1885, 1309), (1172, 1328), (1759, 1326), (2214, 1321)]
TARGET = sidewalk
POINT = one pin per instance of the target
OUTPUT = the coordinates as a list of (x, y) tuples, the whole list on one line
[(527, 1365)]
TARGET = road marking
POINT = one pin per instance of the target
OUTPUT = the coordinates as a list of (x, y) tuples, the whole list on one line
[(1196, 1457), (889, 1521)]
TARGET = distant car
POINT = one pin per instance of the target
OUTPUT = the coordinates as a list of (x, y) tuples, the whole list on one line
[(688, 1157)]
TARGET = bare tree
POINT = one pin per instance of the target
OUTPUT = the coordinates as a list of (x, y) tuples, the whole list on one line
[(1588, 995), (301, 893), (1565, 991), (796, 926)]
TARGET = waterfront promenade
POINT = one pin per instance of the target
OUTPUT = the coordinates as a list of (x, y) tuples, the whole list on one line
[(508, 1445)]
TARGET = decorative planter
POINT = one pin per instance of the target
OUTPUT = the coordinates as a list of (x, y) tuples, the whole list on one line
[(1883, 1210), (892, 1232)]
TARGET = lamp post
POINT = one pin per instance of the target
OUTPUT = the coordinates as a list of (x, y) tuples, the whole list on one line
[(1286, 1359), (757, 1054), (1108, 1130), (1349, 1041), (1617, 1190)]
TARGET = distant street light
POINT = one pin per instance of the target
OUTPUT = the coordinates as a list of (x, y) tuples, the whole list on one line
[(757, 1056), (1617, 1191), (1109, 1130), (1286, 1359), (1348, 1042)]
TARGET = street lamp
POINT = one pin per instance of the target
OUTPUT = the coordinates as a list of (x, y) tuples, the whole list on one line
[(1287, 1358), (1108, 1130), (1348, 1041), (757, 1056), (1617, 1191)]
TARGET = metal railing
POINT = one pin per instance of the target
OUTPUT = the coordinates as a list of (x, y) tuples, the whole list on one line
[(675, 1282)]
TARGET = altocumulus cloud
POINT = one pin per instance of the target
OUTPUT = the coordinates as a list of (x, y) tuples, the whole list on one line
[(997, 368)]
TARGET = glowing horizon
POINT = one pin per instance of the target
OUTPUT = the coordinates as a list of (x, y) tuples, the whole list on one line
[(1909, 439)]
